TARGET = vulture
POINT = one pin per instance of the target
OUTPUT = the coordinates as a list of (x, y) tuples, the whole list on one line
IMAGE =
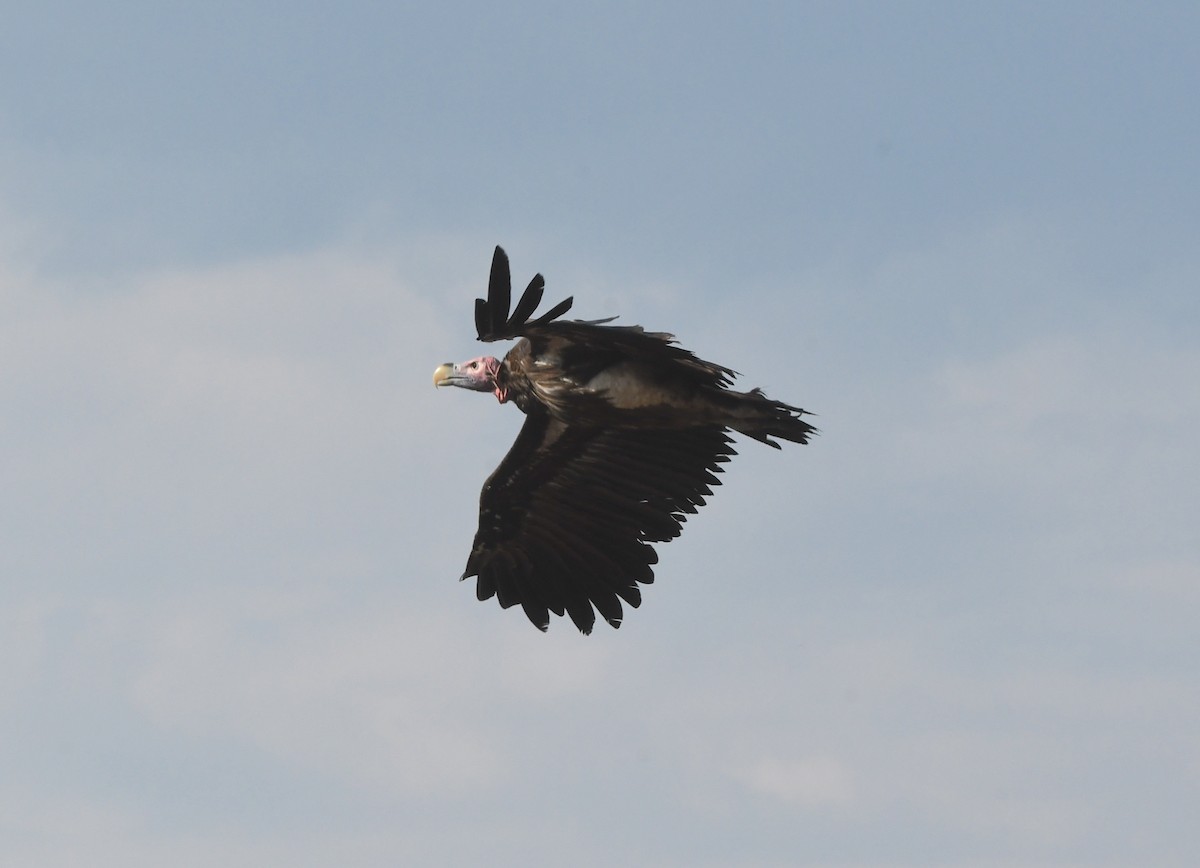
[(624, 434)]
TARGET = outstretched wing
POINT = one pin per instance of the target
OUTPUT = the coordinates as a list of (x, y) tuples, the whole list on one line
[(588, 343), (567, 520)]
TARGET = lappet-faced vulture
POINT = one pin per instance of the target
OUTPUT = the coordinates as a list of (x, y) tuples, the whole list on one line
[(624, 432)]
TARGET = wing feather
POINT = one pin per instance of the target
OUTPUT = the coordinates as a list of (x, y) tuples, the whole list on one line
[(594, 340), (566, 520), (499, 291), (530, 299), (492, 320)]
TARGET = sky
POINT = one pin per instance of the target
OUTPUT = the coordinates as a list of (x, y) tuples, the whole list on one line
[(957, 629)]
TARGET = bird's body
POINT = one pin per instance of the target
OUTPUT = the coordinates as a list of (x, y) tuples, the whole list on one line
[(624, 432)]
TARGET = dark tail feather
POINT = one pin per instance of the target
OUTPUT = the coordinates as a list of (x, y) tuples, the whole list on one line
[(762, 418)]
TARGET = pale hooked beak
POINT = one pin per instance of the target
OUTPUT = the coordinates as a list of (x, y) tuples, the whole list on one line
[(442, 373)]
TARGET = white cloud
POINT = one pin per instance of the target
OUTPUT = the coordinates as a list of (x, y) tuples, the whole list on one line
[(374, 698), (261, 397)]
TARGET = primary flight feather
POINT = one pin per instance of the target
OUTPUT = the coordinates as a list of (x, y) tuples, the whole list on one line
[(623, 435)]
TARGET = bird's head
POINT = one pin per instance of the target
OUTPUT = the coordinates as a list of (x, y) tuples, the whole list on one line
[(478, 375)]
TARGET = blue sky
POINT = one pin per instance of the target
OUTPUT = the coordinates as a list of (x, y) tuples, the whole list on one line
[(958, 629)]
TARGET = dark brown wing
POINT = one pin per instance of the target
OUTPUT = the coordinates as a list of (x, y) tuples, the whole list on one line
[(567, 519), (586, 343)]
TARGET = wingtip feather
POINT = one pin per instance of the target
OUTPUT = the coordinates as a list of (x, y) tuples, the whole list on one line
[(530, 299), (499, 291)]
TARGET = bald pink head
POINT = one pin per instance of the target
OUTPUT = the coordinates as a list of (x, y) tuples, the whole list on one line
[(478, 375)]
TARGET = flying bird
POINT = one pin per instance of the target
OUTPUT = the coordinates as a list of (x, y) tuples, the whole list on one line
[(624, 434)]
